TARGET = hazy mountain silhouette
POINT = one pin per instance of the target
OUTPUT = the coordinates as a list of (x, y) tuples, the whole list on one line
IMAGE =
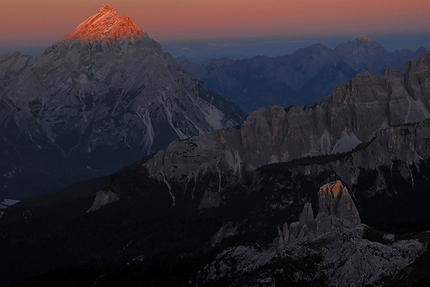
[(301, 77)]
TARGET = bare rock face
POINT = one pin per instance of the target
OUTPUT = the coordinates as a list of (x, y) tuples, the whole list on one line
[(360, 262), (103, 198), (350, 116), (335, 201), (105, 95), (398, 149), (336, 209)]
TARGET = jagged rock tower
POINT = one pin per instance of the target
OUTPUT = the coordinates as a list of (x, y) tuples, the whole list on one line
[(336, 209)]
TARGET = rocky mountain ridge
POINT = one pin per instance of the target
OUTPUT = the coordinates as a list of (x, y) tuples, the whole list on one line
[(100, 98), (352, 115), (298, 78)]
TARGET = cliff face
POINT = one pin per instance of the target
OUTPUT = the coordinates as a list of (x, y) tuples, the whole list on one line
[(350, 116), (385, 174)]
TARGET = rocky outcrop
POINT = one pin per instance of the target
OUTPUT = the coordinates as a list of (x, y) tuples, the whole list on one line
[(102, 97), (336, 204), (103, 198), (226, 230), (7, 202), (326, 250), (336, 209), (360, 262)]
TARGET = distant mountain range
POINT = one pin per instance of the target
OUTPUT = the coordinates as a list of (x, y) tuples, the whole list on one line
[(299, 78), (100, 98)]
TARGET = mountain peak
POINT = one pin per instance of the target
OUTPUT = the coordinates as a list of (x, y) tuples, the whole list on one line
[(364, 39), (107, 9), (333, 188), (106, 25)]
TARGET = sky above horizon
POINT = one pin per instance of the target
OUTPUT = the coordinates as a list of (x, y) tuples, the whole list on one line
[(42, 22)]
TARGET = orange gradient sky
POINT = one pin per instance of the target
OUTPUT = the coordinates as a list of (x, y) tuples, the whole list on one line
[(42, 22)]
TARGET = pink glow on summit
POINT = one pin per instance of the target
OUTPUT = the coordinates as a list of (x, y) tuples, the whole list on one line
[(105, 25)]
